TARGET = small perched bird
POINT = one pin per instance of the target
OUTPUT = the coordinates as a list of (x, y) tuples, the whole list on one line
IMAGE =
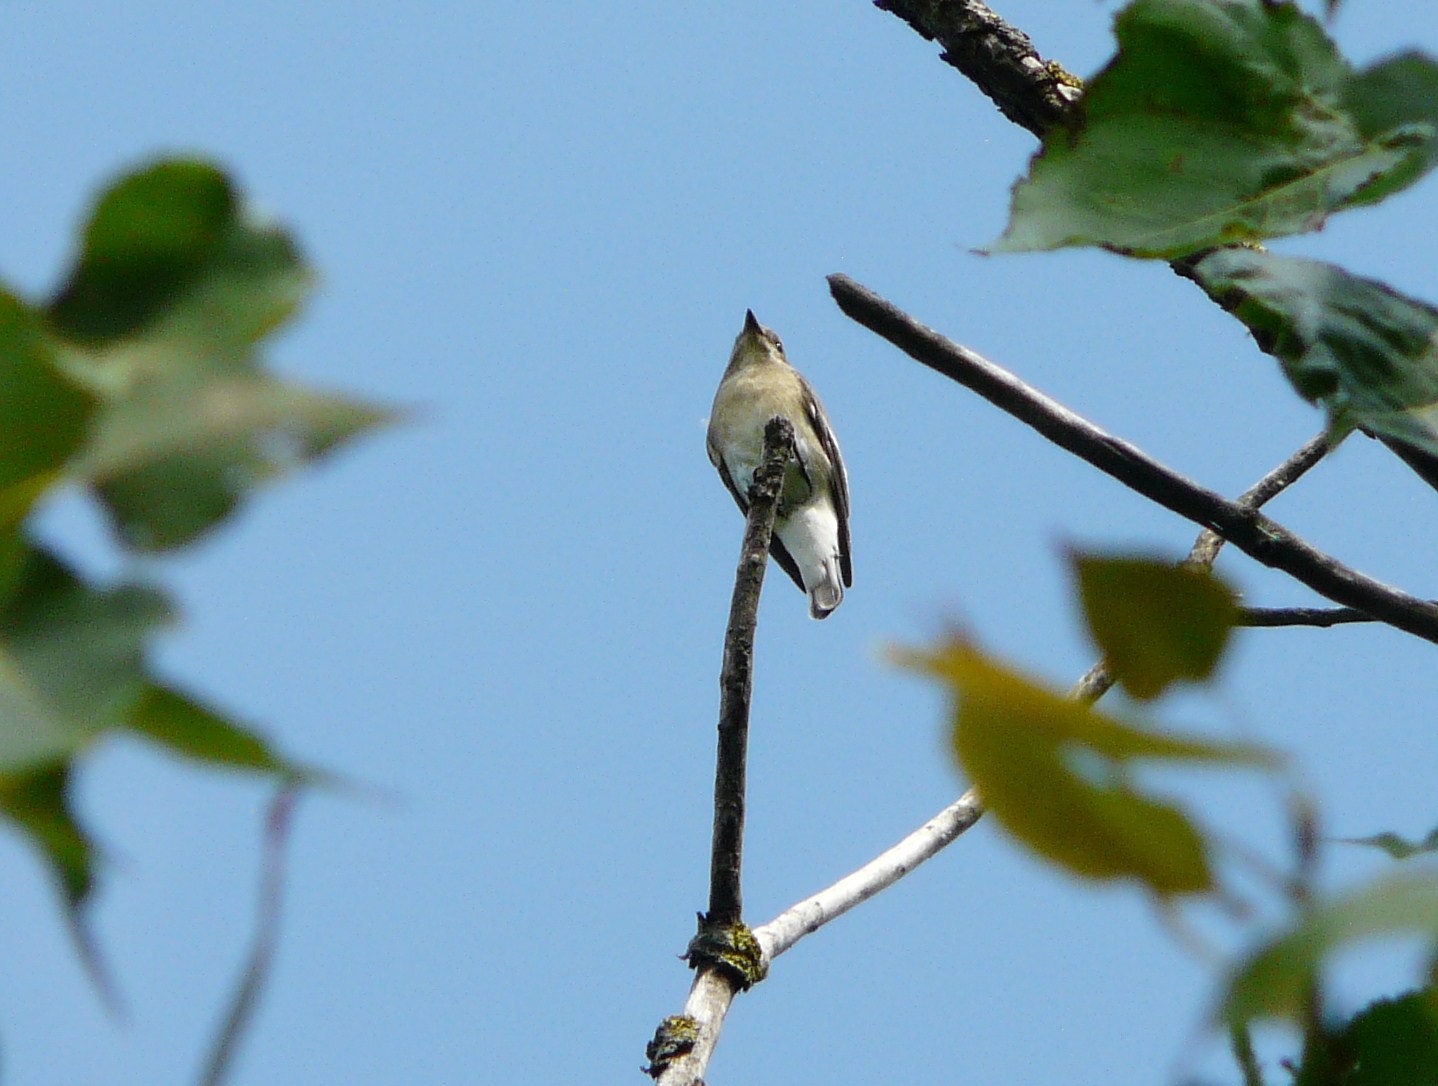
[(811, 529)]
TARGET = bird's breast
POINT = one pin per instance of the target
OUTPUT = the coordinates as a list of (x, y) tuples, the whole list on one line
[(743, 407)]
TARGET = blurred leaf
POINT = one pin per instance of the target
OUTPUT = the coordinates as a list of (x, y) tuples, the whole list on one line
[(1396, 846), (1155, 622), (1274, 981), (32, 731), (71, 659), (170, 253), (176, 283), (1393, 1042), (179, 453), (43, 413), (1053, 771), (1240, 1041), (196, 731), (37, 804), (1359, 349), (1220, 121)]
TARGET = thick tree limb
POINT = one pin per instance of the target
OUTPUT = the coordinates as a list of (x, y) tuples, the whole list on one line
[(1251, 532), (999, 58)]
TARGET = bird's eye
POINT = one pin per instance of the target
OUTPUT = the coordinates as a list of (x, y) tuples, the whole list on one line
[(778, 345)]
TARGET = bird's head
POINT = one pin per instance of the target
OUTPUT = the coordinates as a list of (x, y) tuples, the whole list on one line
[(756, 344)]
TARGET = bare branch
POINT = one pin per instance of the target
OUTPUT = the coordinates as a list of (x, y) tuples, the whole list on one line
[(1206, 547), (1099, 679), (736, 680), (998, 57), (709, 1000), (1302, 616), (266, 939), (1251, 532), (809, 915), (714, 988)]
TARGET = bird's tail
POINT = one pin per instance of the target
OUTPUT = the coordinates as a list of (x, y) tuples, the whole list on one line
[(826, 593)]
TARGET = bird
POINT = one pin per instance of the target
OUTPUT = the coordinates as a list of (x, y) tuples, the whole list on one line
[(811, 527)]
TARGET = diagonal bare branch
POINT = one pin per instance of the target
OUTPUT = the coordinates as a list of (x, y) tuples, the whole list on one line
[(1251, 532)]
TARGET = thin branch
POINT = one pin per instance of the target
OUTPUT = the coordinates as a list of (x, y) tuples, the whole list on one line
[(809, 915), (1204, 552), (998, 57), (1322, 617), (1248, 530), (267, 933), (713, 991), (681, 1048), (1206, 547), (736, 680)]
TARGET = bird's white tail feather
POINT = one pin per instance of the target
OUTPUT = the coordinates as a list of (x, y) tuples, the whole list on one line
[(811, 536), (827, 594)]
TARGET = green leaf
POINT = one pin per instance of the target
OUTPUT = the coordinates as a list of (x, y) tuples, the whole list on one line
[(1393, 1042), (1053, 772), (71, 659), (176, 284), (179, 453), (1221, 121), (1274, 981), (44, 414), (189, 728), (1354, 346), (33, 732), (170, 252), (1155, 622), (1395, 846), (37, 804)]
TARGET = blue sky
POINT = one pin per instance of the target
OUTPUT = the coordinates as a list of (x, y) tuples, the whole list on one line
[(538, 227)]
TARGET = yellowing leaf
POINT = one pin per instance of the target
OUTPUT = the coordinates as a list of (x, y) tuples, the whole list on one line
[(1053, 771), (1155, 622)]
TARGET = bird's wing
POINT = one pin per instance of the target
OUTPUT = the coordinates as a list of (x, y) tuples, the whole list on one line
[(776, 546), (838, 476)]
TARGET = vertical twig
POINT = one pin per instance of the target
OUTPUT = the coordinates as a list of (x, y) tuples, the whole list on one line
[(683, 1043), (266, 938), (726, 901)]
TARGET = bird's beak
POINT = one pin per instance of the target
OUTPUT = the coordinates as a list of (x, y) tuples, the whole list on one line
[(751, 323)]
